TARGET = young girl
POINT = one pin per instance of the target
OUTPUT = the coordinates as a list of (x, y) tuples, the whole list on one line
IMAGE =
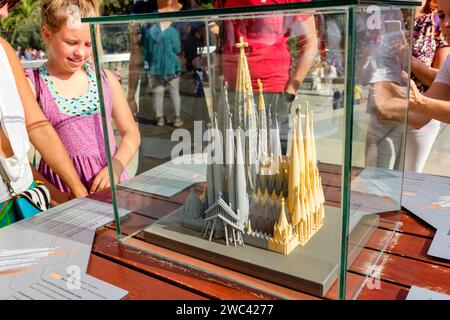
[(69, 99)]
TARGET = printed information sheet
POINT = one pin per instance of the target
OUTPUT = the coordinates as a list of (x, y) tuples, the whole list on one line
[(416, 293), (440, 247), (428, 197), (59, 285), (58, 239), (376, 190), (172, 177)]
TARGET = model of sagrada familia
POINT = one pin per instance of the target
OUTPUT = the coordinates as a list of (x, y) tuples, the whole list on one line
[(255, 195)]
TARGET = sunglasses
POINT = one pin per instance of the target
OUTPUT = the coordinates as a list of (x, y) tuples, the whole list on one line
[(11, 3)]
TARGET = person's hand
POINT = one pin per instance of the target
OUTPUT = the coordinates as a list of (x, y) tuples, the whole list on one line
[(101, 180), (391, 101), (415, 98), (292, 86), (133, 105), (80, 192), (290, 91)]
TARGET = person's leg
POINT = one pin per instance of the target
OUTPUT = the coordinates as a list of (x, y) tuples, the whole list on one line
[(418, 145), (380, 152), (174, 90), (158, 99), (145, 109), (383, 143), (384, 161)]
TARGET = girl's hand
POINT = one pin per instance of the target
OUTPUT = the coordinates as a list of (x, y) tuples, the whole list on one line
[(101, 180)]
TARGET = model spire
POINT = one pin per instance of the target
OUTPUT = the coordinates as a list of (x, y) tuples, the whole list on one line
[(209, 171), (283, 240), (294, 173), (297, 212), (244, 91), (301, 153), (303, 224), (245, 105), (262, 128), (313, 142), (217, 160), (241, 183), (224, 106), (230, 163), (283, 225), (269, 131), (276, 143), (307, 145)]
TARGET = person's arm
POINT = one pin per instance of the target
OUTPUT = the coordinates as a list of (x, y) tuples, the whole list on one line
[(424, 73), (427, 74), (129, 132), (135, 67), (41, 133), (57, 196), (214, 28), (308, 51), (391, 101), (434, 104), (440, 56)]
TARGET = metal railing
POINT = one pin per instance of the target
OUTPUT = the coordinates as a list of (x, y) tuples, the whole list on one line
[(116, 57)]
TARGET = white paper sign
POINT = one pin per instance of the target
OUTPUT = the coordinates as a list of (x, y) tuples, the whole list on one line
[(416, 293), (428, 197), (440, 247), (60, 285), (171, 177), (58, 239)]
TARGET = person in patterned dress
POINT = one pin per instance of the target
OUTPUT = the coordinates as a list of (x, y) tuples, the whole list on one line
[(68, 97)]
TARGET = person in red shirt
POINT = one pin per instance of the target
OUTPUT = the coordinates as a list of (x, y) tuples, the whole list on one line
[(268, 55)]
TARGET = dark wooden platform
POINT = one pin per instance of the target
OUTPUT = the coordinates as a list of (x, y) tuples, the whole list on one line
[(160, 275)]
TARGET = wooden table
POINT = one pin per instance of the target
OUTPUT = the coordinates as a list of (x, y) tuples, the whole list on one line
[(160, 275)]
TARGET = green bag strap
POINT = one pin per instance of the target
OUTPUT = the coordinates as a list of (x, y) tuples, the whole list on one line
[(5, 217), (34, 159)]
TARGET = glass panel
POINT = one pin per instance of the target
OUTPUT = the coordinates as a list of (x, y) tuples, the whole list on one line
[(383, 49), (233, 170), (218, 174)]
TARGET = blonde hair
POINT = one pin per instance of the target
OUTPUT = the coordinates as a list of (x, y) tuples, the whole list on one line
[(54, 13)]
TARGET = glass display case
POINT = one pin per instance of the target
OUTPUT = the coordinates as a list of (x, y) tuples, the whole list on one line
[(272, 137)]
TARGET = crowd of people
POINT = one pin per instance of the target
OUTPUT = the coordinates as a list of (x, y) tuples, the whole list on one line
[(56, 106), (324, 72), (30, 54)]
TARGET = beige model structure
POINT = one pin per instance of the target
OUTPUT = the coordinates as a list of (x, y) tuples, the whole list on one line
[(257, 196), (305, 198)]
